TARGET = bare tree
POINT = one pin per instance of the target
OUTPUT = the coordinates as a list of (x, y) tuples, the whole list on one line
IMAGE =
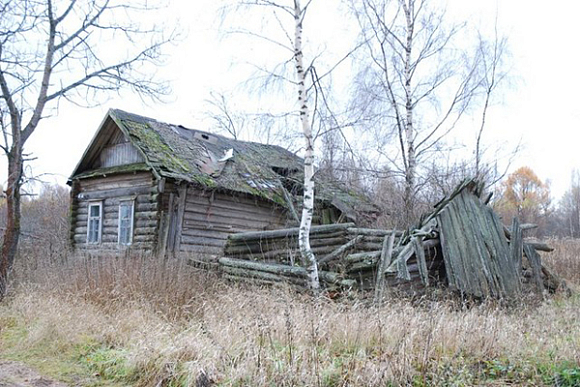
[(417, 81), (53, 49)]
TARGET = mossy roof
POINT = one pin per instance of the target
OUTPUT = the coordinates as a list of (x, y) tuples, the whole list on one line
[(173, 151), (197, 157)]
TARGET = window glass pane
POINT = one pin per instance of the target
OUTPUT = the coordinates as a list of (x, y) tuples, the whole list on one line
[(125, 223), (94, 230), (94, 210)]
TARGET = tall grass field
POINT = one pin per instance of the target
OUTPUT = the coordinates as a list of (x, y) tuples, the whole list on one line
[(141, 321)]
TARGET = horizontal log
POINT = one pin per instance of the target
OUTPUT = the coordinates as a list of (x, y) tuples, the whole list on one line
[(258, 282), (282, 271), (144, 238), (197, 249), (146, 215), (229, 202), (539, 245), (145, 230), (145, 223), (366, 255), (119, 192), (202, 263), (288, 232), (373, 232), (121, 180), (281, 244), (200, 241), (321, 238), (247, 223), (205, 233), (266, 267), (285, 253), (246, 273), (237, 210)]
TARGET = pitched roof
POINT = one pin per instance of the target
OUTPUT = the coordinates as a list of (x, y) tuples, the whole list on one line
[(208, 160)]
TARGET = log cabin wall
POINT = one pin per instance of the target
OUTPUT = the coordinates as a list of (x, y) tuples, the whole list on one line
[(139, 187), (208, 217)]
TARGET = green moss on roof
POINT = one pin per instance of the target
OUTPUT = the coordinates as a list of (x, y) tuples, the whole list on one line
[(194, 156), (147, 137)]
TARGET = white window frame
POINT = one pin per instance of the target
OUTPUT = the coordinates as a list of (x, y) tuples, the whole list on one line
[(98, 204), (131, 203)]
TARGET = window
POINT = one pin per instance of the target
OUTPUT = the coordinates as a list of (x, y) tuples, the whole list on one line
[(125, 223), (94, 223)]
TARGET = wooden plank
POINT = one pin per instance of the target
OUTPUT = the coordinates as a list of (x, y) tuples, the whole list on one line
[(290, 232), (422, 263), (247, 223), (516, 244), (536, 265), (124, 180), (181, 197), (205, 215), (118, 192), (227, 201), (384, 262)]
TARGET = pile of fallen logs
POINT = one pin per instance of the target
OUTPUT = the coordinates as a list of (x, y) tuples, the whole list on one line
[(330, 243), (461, 244), (271, 273), (281, 246)]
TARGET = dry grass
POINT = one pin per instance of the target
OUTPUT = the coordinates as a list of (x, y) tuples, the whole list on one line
[(143, 322)]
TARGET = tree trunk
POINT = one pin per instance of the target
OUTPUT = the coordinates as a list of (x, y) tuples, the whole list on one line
[(12, 232), (306, 221), (409, 198)]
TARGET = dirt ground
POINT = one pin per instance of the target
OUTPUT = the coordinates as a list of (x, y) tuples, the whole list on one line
[(14, 374)]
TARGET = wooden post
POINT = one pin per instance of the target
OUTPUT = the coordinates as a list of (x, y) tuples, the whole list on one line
[(536, 264), (420, 254), (384, 262), (516, 245)]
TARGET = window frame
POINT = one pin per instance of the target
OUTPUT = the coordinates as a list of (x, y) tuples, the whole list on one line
[(131, 203), (98, 204)]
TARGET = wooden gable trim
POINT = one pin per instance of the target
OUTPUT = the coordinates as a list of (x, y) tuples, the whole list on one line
[(107, 127)]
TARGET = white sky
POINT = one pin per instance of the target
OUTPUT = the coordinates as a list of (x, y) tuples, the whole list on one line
[(542, 111)]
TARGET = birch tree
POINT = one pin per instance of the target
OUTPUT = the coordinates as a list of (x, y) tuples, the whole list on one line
[(288, 17), (308, 206), (417, 80), (78, 51)]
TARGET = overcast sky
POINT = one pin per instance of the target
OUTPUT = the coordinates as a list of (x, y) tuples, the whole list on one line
[(541, 111)]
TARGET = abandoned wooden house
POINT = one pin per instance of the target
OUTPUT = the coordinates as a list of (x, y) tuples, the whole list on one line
[(143, 184)]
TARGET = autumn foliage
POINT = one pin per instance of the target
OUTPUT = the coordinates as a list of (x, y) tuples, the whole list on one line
[(524, 195)]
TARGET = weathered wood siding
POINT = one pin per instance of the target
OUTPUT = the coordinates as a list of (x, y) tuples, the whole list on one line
[(120, 154), (209, 217), (110, 190)]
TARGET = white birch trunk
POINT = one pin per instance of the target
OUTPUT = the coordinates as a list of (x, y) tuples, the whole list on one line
[(410, 172), (306, 221)]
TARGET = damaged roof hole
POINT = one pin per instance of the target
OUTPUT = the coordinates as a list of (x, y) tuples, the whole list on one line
[(285, 172)]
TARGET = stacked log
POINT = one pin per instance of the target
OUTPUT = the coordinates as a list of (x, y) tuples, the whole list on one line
[(281, 246), (271, 273)]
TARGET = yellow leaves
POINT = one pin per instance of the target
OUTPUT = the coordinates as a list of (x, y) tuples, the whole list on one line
[(524, 195)]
